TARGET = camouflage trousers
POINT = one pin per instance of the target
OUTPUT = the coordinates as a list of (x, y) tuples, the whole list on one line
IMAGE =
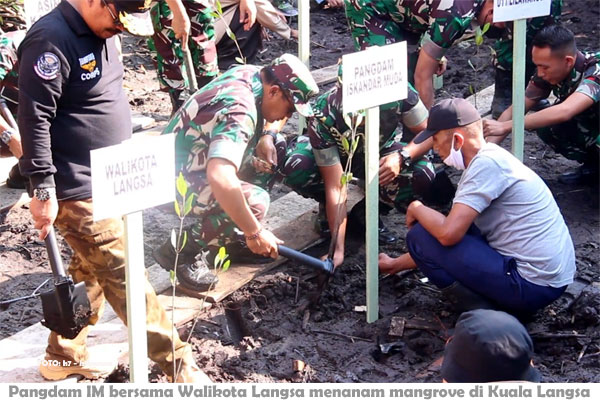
[(298, 170), (169, 56), (377, 23), (573, 140), (99, 260)]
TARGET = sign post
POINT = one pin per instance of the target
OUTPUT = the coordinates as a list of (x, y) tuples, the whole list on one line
[(509, 10), (370, 78), (126, 179)]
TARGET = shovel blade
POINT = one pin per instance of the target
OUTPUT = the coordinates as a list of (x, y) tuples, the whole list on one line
[(66, 308)]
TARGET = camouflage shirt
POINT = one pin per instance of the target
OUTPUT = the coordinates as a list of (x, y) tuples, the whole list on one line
[(327, 127), (584, 78), (9, 68), (440, 23), (218, 120)]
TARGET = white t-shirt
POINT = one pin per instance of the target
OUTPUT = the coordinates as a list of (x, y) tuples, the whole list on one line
[(518, 216)]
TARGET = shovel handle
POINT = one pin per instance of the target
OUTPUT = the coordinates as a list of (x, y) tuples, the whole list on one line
[(325, 266), (58, 270)]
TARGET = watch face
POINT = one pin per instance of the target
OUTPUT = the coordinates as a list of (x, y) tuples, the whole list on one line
[(6, 136), (41, 194)]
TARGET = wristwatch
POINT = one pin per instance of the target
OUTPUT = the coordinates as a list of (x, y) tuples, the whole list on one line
[(44, 194), (273, 134), (406, 160), (6, 135)]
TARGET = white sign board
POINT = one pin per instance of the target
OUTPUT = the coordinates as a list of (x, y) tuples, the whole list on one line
[(510, 10), (132, 176), (375, 76), (36, 9)]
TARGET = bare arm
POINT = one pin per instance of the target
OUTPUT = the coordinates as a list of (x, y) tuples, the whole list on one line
[(227, 189), (447, 230), (427, 66), (332, 176), (181, 22)]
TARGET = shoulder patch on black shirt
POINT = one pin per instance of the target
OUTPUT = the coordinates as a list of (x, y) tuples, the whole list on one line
[(47, 66)]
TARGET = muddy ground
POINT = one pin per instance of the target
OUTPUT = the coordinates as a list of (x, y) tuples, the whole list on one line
[(332, 339)]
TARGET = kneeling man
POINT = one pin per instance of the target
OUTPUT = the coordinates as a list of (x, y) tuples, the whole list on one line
[(504, 243)]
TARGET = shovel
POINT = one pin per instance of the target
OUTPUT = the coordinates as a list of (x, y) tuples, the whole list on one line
[(320, 265), (66, 308)]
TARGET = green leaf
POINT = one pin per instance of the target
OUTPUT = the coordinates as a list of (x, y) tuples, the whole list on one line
[(486, 27), (345, 144), (231, 35), (181, 185), (222, 253), (217, 261), (471, 89), (188, 205), (355, 144), (172, 277), (350, 176), (215, 14), (226, 265), (478, 40), (177, 210), (173, 238), (344, 179), (219, 8), (184, 241)]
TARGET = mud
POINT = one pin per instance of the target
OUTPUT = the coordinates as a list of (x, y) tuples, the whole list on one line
[(282, 329)]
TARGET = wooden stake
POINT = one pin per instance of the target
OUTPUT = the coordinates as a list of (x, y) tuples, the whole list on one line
[(372, 211), (518, 87)]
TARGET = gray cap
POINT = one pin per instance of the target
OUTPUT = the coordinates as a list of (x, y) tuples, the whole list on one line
[(448, 114)]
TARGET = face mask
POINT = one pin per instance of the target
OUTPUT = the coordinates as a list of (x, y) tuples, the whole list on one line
[(455, 158)]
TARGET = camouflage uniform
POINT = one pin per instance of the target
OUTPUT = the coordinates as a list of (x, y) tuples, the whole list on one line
[(503, 57), (220, 121), (99, 260), (301, 168), (577, 139), (169, 56), (422, 23)]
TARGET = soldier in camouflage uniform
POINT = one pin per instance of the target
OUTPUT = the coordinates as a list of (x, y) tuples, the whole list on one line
[(314, 164), (214, 129), (429, 28), (10, 140), (503, 57), (570, 126)]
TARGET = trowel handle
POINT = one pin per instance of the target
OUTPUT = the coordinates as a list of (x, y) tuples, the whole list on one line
[(326, 266), (54, 254)]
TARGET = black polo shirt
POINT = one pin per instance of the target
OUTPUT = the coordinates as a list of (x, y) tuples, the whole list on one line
[(71, 101)]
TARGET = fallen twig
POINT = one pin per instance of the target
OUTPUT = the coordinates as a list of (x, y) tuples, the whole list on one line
[(582, 353), (543, 335)]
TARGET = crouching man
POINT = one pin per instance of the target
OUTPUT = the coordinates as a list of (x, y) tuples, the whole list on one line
[(504, 243), (214, 129)]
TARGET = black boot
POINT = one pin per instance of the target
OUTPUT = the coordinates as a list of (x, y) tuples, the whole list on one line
[(357, 223), (464, 299), (165, 254), (197, 276), (15, 180), (584, 175)]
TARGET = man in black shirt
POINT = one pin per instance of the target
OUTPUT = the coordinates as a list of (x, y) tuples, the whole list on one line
[(71, 101)]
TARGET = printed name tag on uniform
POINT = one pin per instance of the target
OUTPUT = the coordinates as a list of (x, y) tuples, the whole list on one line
[(132, 176)]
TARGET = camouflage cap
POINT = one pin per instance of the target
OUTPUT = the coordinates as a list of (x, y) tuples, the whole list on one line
[(295, 78), (135, 16)]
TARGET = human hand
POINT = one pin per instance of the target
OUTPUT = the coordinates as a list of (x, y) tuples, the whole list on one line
[(492, 127), (247, 13), (335, 3), (43, 214), (386, 264), (442, 65), (411, 218), (294, 34), (265, 244), (266, 155), (389, 168), (181, 27), (14, 145)]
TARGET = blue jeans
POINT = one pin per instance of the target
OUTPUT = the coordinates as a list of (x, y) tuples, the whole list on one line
[(477, 266)]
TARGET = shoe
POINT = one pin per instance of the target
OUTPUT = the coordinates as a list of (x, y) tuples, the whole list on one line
[(191, 374), (464, 299), (15, 180), (357, 224), (584, 175), (197, 276), (165, 254), (53, 372), (286, 8)]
